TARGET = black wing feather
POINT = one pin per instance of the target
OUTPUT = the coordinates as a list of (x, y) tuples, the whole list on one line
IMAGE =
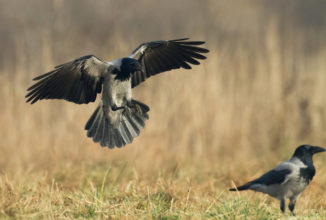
[(161, 56), (78, 81), (269, 178), (272, 177)]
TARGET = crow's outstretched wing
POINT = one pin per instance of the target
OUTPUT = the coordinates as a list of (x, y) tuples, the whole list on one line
[(78, 81), (160, 56)]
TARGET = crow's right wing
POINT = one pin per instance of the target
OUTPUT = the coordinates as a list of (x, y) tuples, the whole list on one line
[(78, 81)]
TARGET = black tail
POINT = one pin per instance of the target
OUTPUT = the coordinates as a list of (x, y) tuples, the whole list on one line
[(117, 128), (240, 188)]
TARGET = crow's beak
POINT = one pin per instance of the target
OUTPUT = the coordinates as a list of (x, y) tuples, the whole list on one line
[(316, 149)]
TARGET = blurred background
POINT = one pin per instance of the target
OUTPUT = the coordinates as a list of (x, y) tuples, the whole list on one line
[(260, 93)]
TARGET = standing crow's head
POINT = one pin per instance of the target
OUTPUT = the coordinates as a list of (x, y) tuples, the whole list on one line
[(305, 152)]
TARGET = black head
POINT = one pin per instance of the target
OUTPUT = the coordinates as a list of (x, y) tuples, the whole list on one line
[(128, 66), (306, 151)]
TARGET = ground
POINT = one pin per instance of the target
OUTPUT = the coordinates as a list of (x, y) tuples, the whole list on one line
[(259, 95)]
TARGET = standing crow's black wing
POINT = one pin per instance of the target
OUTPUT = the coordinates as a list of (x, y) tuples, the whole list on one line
[(160, 56), (272, 177), (78, 81)]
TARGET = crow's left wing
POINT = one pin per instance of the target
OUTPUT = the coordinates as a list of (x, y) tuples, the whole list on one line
[(160, 56), (272, 177)]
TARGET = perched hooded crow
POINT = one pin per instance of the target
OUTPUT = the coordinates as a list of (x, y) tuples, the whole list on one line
[(118, 118), (289, 179)]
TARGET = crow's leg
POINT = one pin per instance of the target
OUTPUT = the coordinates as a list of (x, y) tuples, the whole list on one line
[(292, 205), (115, 108), (282, 205)]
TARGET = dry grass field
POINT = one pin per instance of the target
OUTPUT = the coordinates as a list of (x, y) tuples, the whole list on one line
[(260, 94)]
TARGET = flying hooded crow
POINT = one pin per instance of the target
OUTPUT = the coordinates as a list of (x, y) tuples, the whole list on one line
[(287, 180), (118, 118)]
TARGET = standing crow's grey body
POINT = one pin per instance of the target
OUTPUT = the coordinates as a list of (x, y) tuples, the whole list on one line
[(118, 118), (287, 180)]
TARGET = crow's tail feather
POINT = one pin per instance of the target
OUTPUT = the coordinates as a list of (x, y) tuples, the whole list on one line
[(240, 188), (127, 125)]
